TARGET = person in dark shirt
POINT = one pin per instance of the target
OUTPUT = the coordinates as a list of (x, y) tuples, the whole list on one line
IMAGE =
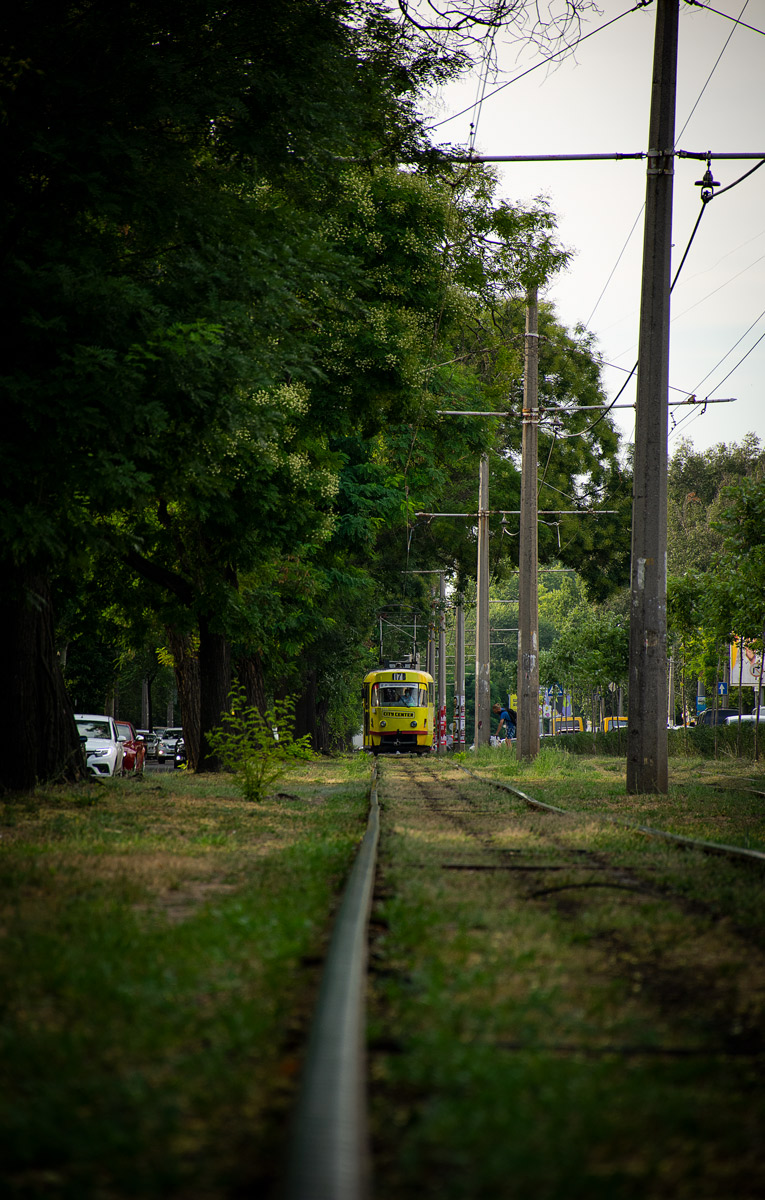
[(508, 721)]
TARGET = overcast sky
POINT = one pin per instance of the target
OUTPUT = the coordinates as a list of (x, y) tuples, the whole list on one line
[(598, 102)]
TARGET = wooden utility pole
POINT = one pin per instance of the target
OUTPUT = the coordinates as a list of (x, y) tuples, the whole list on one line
[(528, 600), (647, 766), (482, 678)]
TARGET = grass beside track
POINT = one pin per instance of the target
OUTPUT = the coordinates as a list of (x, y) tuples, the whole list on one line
[(718, 800), (595, 1029), (160, 941), (160, 946)]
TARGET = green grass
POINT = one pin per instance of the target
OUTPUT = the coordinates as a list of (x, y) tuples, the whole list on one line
[(159, 951), (160, 947)]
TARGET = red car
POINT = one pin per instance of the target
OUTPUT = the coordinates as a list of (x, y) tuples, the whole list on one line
[(133, 746)]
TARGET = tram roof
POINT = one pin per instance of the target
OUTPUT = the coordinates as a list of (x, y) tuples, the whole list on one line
[(398, 675)]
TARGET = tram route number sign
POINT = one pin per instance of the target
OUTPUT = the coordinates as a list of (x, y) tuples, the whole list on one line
[(398, 676)]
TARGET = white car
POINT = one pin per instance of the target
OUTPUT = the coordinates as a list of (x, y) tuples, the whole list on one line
[(103, 749)]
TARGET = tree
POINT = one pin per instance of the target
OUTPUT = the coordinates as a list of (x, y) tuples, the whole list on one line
[(696, 483), (164, 265), (713, 582)]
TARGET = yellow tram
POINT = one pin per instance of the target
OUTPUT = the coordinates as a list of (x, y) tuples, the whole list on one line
[(398, 710)]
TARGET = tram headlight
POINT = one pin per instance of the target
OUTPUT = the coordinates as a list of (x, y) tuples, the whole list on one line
[(383, 724), (413, 724)]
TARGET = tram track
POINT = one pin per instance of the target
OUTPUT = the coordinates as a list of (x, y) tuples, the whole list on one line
[(490, 888)]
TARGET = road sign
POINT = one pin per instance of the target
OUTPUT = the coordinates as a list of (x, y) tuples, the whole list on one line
[(722, 688)]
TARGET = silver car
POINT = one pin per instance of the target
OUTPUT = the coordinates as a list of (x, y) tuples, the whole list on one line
[(103, 749), (167, 743)]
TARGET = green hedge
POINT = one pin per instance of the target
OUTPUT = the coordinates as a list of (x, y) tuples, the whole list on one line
[(696, 742)]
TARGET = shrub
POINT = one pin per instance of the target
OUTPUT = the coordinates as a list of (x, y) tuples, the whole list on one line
[(257, 747)]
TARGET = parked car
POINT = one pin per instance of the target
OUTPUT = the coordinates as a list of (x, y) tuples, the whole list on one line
[(710, 717), (746, 719), (104, 752), (151, 737), (133, 746), (167, 744)]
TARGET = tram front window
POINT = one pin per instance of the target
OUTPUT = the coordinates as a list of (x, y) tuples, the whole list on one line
[(395, 695)]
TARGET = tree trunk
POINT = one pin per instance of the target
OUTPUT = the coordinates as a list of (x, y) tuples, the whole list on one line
[(214, 689), (312, 716), (187, 681), (41, 738), (324, 743), (250, 674), (305, 710)]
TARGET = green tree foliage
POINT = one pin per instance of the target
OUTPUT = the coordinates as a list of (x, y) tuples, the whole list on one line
[(165, 262), (232, 317), (715, 580), (590, 655), (696, 499)]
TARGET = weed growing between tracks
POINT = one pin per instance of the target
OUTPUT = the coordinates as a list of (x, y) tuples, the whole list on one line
[(159, 950), (561, 1008)]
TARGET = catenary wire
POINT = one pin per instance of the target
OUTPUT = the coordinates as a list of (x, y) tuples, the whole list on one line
[(543, 62), (711, 73), (728, 17), (687, 122)]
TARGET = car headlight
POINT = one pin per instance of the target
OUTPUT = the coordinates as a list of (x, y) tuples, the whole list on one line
[(97, 753)]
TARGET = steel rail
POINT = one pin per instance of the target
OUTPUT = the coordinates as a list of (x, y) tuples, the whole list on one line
[(329, 1148), (720, 848)]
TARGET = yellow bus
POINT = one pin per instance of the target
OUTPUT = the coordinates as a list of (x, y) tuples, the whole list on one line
[(566, 724), (614, 723), (398, 711)]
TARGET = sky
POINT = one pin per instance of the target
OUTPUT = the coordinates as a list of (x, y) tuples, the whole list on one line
[(598, 101)]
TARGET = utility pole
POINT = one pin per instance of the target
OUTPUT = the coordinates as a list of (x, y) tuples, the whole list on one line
[(482, 677), (647, 765), (430, 660), (671, 693), (442, 664), (528, 598), (459, 677)]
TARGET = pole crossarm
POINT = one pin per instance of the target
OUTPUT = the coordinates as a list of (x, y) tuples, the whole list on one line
[(516, 512), (562, 412), (616, 156)]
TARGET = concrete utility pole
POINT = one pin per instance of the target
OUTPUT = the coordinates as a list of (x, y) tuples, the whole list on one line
[(482, 677), (430, 658), (647, 766), (459, 677), (528, 600), (671, 693), (442, 665)]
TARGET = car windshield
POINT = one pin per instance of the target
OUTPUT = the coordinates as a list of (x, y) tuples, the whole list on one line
[(95, 729)]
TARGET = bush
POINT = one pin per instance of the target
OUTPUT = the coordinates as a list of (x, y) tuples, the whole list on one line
[(257, 747), (695, 742)]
